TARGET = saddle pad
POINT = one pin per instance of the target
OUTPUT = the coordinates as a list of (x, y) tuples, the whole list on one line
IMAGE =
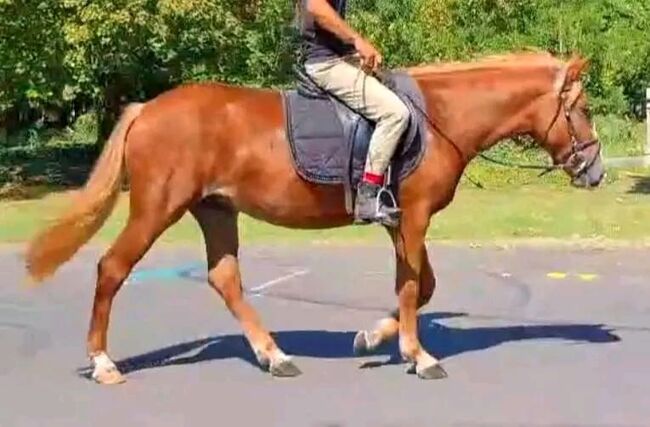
[(329, 142)]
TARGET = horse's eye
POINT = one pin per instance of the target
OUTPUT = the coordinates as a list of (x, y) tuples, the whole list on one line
[(587, 112)]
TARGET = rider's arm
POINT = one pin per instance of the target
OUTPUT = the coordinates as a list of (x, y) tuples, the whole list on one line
[(328, 18), (325, 15)]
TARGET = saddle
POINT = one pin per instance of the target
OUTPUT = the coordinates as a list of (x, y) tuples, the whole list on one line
[(329, 141)]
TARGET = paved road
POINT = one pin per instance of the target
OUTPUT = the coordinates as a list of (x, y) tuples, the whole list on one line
[(531, 337)]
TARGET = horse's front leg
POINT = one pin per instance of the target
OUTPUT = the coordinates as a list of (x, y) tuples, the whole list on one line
[(412, 267), (366, 342)]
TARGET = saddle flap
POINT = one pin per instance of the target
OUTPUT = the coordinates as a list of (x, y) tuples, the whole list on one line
[(329, 141), (315, 134)]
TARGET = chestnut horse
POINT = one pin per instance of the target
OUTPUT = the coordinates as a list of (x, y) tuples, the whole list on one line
[(216, 150)]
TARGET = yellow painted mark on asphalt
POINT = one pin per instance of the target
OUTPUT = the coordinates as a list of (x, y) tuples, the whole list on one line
[(560, 275)]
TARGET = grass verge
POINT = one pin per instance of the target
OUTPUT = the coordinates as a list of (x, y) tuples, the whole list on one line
[(618, 211), (515, 204)]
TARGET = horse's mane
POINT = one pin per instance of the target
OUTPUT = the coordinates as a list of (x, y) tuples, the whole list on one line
[(489, 62)]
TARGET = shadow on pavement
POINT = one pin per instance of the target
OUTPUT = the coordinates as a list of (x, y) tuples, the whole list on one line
[(443, 341)]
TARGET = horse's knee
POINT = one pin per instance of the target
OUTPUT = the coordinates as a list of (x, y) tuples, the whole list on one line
[(224, 278)]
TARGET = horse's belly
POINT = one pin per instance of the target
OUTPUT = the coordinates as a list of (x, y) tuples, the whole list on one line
[(260, 180), (293, 203)]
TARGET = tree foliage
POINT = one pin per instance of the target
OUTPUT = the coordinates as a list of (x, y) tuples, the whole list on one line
[(60, 58)]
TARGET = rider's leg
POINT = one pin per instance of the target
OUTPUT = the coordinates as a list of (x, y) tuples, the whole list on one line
[(368, 96)]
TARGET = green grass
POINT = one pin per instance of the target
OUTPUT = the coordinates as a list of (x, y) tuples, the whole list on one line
[(617, 211), (515, 204)]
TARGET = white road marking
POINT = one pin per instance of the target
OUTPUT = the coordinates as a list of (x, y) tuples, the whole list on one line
[(256, 291)]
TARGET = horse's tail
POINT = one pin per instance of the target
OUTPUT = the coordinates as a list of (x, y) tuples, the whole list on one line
[(90, 207)]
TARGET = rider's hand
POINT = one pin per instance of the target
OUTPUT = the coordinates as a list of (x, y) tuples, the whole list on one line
[(371, 59)]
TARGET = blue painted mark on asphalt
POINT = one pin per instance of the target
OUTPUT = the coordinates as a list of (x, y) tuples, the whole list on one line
[(162, 274)]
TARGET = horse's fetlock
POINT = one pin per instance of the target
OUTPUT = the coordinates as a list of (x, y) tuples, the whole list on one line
[(409, 348)]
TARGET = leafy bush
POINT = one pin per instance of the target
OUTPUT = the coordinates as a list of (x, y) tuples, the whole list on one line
[(612, 34), (62, 58)]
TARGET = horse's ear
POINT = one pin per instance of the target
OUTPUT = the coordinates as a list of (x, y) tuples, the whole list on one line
[(571, 73), (577, 65)]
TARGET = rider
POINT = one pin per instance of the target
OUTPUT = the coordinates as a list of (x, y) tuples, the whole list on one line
[(334, 53)]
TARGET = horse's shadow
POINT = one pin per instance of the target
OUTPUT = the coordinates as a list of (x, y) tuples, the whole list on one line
[(641, 185), (444, 341)]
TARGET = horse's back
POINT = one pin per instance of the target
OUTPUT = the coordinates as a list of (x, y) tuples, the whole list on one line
[(206, 109), (218, 92)]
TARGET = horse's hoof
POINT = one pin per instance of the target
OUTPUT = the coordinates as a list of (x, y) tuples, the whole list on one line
[(284, 369), (433, 372), (108, 376), (361, 346)]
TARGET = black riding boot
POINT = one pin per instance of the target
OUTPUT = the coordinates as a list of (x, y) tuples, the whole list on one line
[(370, 208)]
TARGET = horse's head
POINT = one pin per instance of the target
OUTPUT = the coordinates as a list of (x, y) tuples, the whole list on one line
[(564, 128)]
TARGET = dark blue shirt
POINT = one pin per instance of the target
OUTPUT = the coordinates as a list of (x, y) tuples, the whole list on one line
[(317, 43)]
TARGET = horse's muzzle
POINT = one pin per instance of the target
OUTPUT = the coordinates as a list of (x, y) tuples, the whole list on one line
[(592, 177)]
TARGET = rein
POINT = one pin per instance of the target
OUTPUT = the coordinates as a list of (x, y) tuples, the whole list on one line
[(577, 147)]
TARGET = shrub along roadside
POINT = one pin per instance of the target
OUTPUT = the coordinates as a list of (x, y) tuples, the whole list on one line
[(61, 59)]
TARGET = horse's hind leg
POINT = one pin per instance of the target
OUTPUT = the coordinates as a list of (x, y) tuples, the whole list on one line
[(219, 225), (144, 225), (366, 342)]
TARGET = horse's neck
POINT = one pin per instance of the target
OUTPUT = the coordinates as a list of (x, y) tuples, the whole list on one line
[(475, 110)]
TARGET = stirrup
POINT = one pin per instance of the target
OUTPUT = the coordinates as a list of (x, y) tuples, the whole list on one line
[(392, 217), (385, 189), (393, 201)]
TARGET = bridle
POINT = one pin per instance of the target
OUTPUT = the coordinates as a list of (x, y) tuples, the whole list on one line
[(575, 160)]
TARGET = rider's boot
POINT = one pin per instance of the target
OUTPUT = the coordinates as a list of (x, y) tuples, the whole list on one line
[(369, 206)]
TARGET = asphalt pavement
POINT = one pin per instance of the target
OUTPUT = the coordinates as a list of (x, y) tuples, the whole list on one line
[(529, 337)]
